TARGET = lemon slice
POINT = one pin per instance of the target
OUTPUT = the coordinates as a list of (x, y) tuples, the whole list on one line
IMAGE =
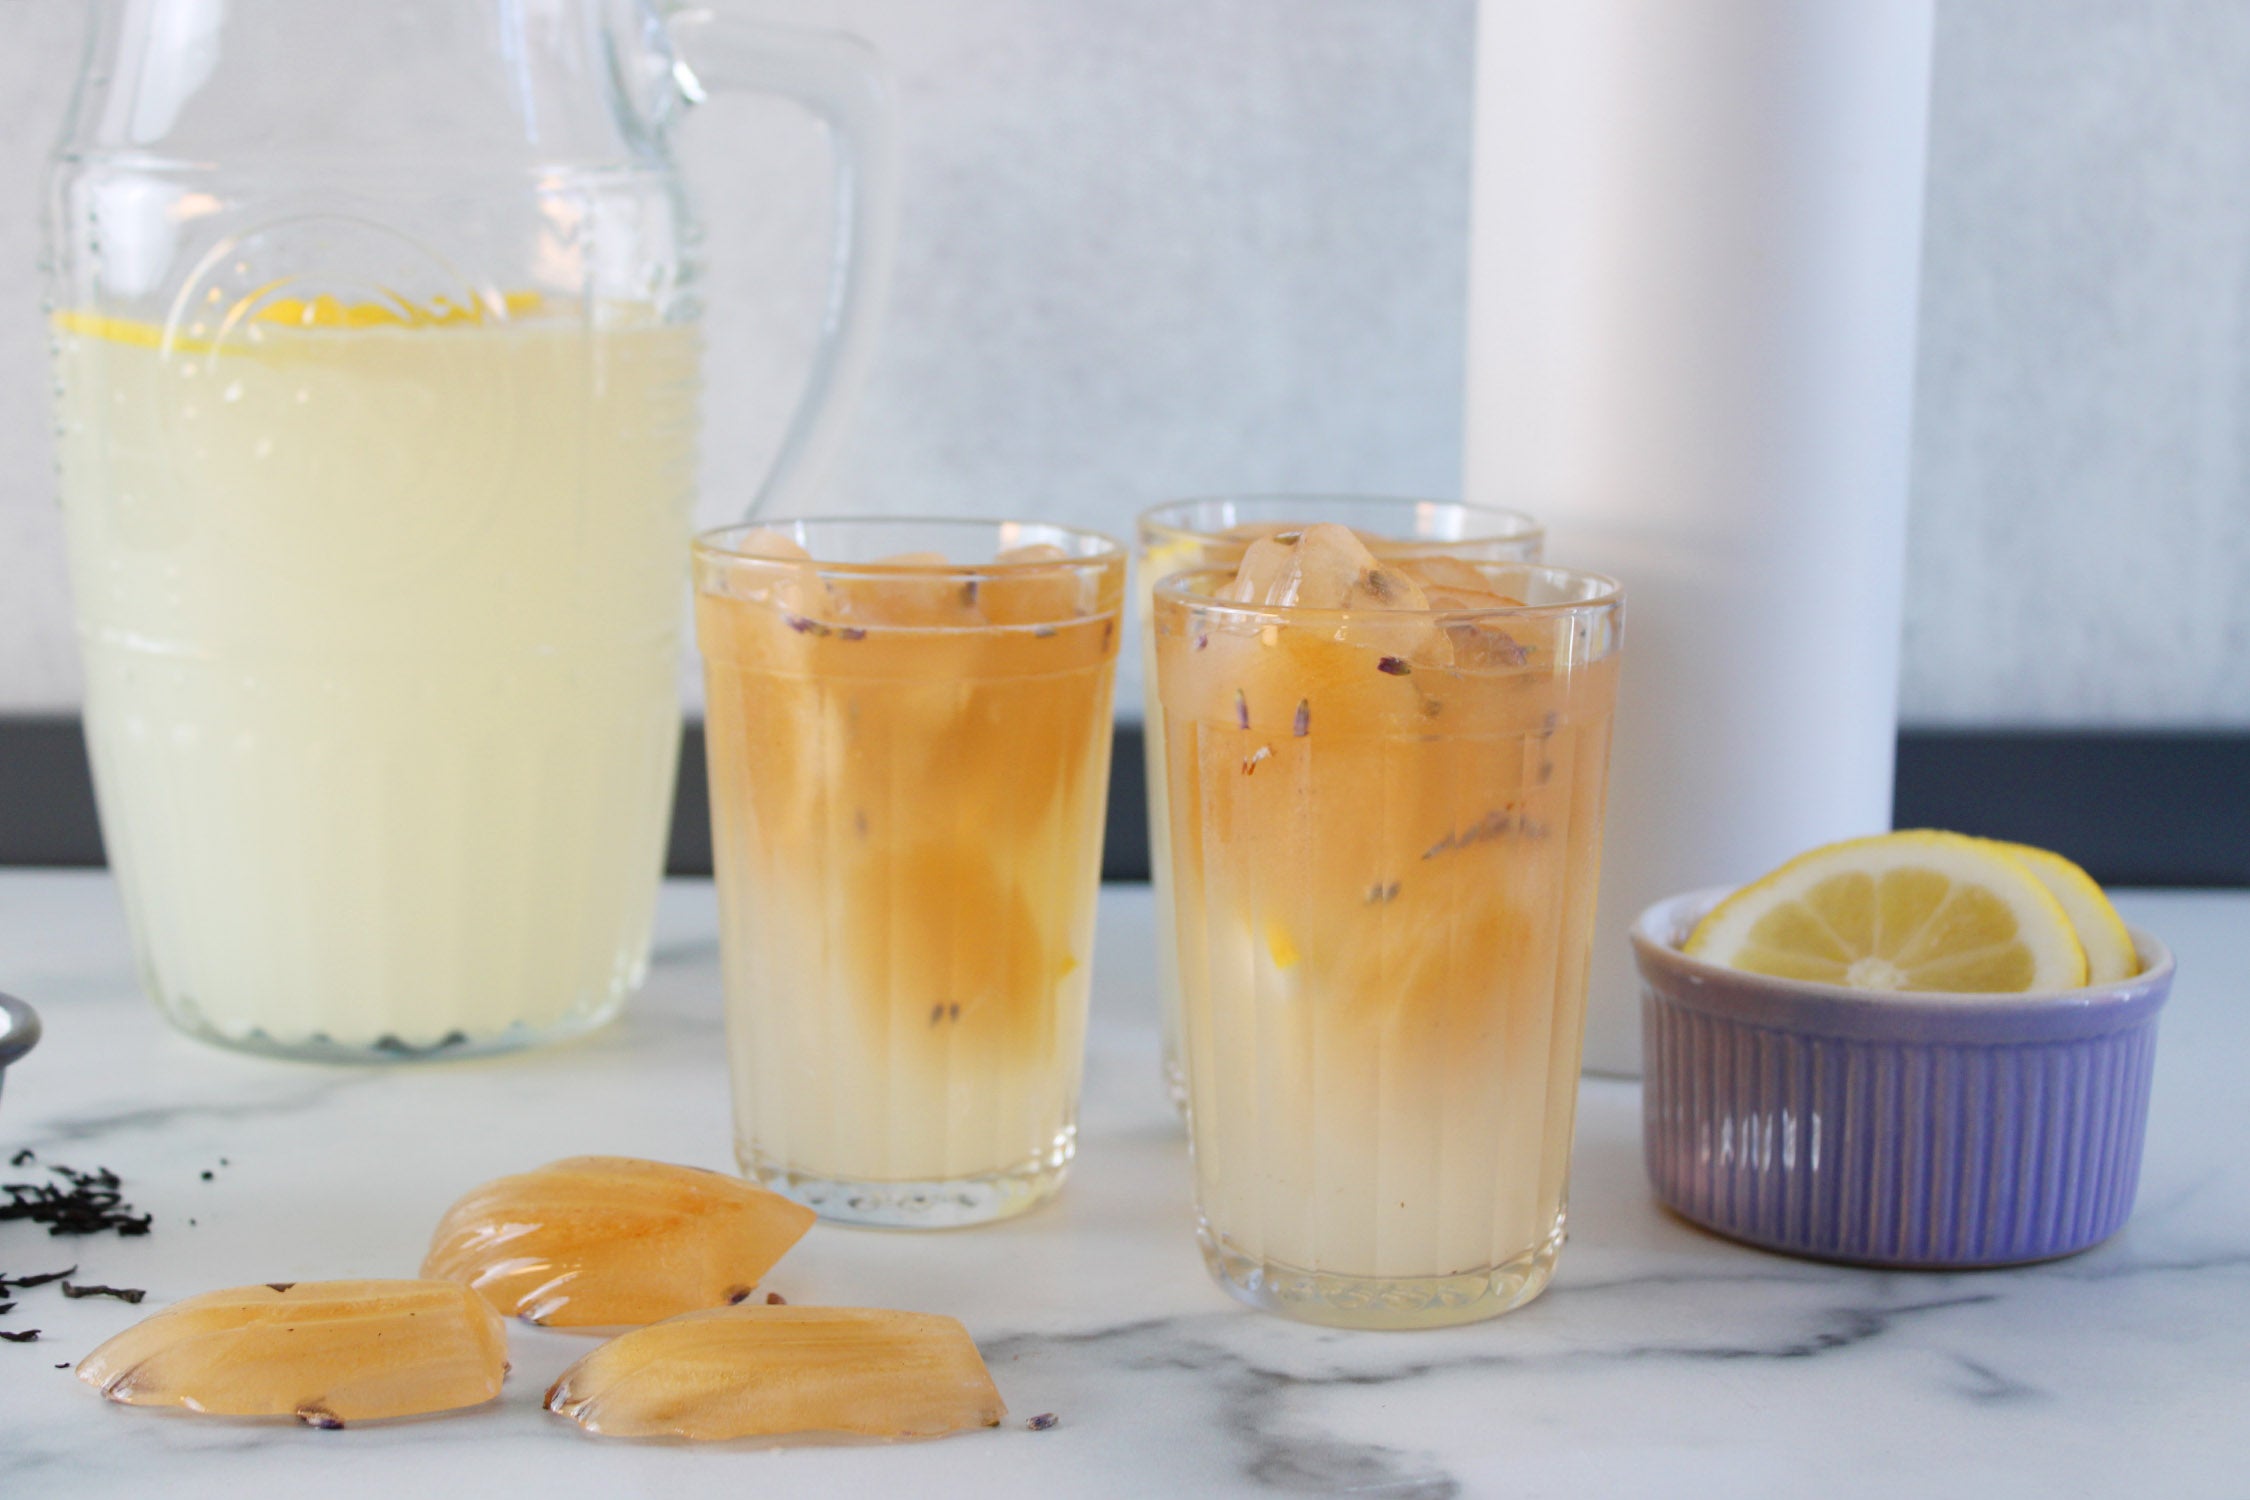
[(1900, 911), (321, 312), (2110, 955)]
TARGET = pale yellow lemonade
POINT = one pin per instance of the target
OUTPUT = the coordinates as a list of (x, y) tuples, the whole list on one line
[(380, 617), (1386, 828), (909, 764)]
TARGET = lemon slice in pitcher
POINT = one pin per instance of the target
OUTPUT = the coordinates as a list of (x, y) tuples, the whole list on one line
[(1901, 911)]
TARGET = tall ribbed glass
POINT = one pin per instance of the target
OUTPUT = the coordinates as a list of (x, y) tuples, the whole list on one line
[(1384, 852), (1210, 533), (909, 731)]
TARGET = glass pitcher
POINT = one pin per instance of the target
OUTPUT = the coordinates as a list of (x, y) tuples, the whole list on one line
[(377, 366)]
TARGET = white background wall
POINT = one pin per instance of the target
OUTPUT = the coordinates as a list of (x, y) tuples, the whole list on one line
[(1158, 247)]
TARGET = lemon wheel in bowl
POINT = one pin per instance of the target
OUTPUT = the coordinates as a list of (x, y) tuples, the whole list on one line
[(2101, 932), (1910, 911)]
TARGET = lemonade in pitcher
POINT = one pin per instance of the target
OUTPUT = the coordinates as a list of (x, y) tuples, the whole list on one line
[(379, 607), (376, 357)]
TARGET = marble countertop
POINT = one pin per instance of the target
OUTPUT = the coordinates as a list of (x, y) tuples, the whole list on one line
[(1662, 1361)]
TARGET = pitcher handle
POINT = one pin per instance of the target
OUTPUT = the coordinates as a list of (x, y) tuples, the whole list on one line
[(844, 84)]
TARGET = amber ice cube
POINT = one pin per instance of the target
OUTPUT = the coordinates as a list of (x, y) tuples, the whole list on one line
[(737, 1372), (324, 1352), (613, 1241)]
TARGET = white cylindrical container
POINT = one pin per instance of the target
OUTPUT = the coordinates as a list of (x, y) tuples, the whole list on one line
[(1691, 348)]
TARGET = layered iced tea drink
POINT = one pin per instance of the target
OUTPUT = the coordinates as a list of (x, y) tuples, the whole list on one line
[(909, 728), (1385, 783), (1183, 535)]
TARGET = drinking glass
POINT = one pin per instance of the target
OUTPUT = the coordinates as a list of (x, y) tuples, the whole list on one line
[(1212, 532), (1386, 832), (909, 733)]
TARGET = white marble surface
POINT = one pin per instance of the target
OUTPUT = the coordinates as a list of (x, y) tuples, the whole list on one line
[(1662, 1362)]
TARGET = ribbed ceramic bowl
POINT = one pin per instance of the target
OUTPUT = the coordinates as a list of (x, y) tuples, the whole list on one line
[(1891, 1130), (19, 1029)]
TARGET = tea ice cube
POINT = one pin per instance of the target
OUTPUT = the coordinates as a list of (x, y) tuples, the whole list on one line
[(771, 1371), (765, 542), (1258, 576), (797, 590), (324, 1352), (1327, 565), (1435, 570), (611, 1241), (928, 590), (1031, 595)]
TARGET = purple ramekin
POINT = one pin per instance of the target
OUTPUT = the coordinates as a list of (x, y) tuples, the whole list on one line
[(1891, 1130)]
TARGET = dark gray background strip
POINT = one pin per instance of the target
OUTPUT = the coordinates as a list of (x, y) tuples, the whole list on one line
[(2135, 807)]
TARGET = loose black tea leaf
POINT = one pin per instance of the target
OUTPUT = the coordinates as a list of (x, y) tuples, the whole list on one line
[(121, 1293), (23, 1158), (28, 1336), (853, 633), (1042, 1422), (9, 1281), (1395, 666), (775, 1299), (1241, 710), (1303, 724), (88, 1203), (320, 1417)]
